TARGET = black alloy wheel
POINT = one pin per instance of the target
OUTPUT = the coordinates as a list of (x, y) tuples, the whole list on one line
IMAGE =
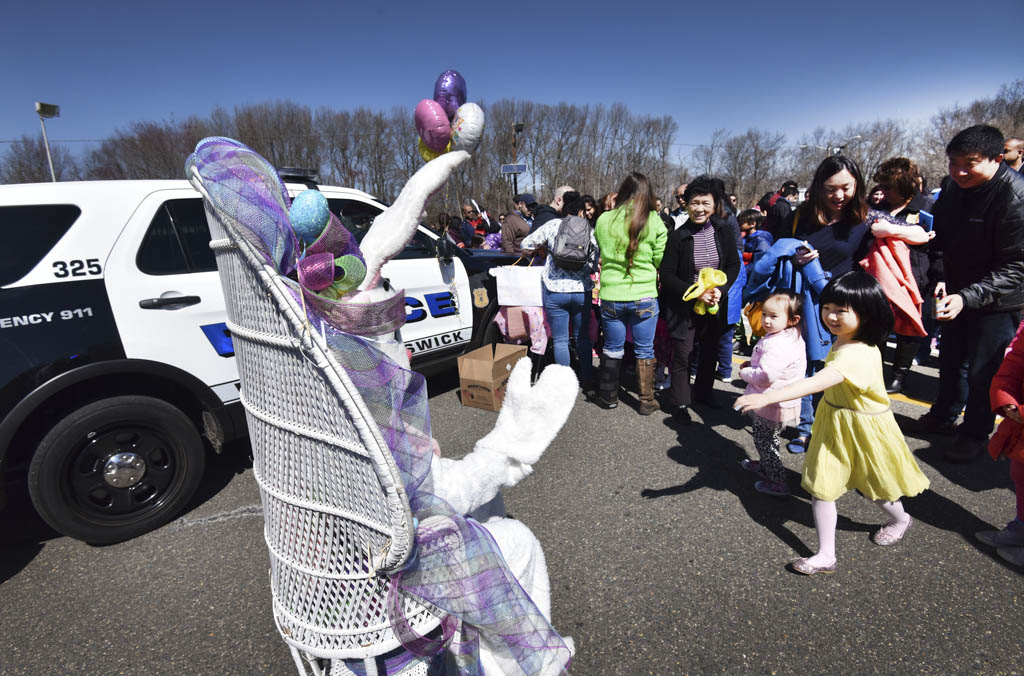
[(116, 468)]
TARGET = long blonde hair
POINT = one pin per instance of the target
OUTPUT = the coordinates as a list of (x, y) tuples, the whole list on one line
[(635, 188)]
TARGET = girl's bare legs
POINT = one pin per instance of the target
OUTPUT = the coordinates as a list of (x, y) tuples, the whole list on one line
[(825, 517)]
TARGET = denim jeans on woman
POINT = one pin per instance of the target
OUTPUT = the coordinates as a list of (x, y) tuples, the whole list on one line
[(565, 311), (641, 316)]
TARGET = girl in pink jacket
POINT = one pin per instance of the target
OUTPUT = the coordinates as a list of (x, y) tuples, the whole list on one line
[(779, 359)]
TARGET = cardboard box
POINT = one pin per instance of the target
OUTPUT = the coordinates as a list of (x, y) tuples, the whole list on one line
[(484, 372)]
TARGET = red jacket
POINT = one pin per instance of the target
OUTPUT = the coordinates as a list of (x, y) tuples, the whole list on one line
[(888, 261), (1008, 390)]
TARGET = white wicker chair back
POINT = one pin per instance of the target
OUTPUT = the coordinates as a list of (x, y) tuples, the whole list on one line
[(336, 514)]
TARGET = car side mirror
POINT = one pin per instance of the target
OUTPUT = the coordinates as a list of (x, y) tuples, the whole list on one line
[(445, 249)]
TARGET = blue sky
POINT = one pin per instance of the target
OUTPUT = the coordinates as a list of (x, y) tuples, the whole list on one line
[(719, 64)]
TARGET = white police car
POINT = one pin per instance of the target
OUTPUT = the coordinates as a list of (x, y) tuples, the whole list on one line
[(115, 359)]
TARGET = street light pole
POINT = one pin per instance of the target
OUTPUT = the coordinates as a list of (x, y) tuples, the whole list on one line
[(45, 110), (517, 128)]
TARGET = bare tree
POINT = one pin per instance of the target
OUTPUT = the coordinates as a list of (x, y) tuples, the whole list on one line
[(147, 150), (750, 163), (706, 157), (25, 162)]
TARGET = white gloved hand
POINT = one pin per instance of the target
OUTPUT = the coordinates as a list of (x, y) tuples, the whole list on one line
[(531, 417)]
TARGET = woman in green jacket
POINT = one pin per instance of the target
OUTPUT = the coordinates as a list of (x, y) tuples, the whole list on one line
[(632, 239)]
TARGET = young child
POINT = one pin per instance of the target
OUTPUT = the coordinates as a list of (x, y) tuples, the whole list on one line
[(755, 240), (779, 359), (855, 441), (1007, 397)]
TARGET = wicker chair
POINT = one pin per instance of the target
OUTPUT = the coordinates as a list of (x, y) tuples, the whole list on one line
[(336, 513)]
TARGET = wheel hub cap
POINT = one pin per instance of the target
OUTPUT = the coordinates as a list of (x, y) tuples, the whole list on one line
[(124, 470)]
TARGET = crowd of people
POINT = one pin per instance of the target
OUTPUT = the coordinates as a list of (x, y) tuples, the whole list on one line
[(819, 286)]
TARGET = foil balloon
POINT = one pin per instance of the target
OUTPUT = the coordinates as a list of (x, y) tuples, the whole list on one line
[(432, 125), (450, 91), (468, 127), (427, 154), (309, 214)]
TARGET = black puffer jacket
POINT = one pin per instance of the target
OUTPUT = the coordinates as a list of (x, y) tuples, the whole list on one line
[(979, 242)]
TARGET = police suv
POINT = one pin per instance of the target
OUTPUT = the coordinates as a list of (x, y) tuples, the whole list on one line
[(116, 368)]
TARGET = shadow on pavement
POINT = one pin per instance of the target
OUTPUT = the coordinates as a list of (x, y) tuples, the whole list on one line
[(23, 534), (720, 470), (981, 474)]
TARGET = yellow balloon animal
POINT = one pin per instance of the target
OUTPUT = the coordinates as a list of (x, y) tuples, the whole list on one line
[(707, 278)]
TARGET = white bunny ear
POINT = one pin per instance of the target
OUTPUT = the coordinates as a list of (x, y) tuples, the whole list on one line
[(393, 229)]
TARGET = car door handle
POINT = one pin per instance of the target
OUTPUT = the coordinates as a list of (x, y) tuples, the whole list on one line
[(157, 303)]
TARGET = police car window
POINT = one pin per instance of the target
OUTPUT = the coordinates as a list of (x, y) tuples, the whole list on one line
[(189, 219), (161, 252), (30, 232), (355, 215), (358, 217)]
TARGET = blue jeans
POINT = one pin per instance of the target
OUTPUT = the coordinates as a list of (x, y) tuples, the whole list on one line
[(642, 318), (977, 339), (565, 310)]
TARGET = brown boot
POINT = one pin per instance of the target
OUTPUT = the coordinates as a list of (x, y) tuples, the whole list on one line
[(645, 386)]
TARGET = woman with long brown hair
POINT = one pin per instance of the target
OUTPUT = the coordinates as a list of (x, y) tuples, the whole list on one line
[(632, 240)]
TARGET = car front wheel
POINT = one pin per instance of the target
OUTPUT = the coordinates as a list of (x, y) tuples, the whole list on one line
[(116, 468)]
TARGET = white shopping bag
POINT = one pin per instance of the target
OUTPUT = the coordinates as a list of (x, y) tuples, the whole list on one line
[(519, 285)]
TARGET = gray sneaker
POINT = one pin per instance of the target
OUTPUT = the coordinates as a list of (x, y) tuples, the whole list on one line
[(1011, 536), (1014, 555)]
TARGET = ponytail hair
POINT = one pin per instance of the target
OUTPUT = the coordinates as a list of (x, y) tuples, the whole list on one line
[(635, 188)]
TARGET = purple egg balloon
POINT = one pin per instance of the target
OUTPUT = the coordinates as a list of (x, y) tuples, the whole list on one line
[(450, 91), (432, 124)]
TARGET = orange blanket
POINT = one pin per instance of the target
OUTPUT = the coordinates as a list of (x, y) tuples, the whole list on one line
[(888, 261)]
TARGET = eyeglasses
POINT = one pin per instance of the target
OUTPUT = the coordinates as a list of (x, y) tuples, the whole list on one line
[(679, 197)]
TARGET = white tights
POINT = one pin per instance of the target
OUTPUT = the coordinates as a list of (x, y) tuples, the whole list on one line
[(825, 517)]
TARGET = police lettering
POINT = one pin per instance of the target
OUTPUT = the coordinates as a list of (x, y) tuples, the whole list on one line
[(26, 320), (440, 305)]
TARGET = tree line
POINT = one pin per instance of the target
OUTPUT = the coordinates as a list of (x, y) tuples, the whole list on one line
[(591, 147)]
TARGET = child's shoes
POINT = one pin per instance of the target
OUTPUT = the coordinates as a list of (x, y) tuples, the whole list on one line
[(886, 535), (752, 466), (771, 488)]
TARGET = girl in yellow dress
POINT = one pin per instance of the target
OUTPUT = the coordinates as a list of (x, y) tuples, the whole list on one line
[(855, 441)]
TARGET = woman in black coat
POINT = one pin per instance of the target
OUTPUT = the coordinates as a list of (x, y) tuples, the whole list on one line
[(704, 240)]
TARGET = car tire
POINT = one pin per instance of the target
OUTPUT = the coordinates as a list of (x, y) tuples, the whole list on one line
[(116, 468)]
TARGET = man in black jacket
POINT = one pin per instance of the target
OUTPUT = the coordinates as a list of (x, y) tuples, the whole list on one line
[(780, 210), (547, 212), (979, 249)]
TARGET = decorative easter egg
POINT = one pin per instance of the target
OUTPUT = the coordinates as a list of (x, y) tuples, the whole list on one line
[(309, 214), (450, 91), (427, 154), (468, 127), (349, 272), (432, 124)]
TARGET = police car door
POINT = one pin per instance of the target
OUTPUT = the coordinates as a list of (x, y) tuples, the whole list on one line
[(163, 286), (437, 299)]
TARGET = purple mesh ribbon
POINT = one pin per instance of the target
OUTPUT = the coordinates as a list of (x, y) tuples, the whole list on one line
[(456, 566), (316, 271)]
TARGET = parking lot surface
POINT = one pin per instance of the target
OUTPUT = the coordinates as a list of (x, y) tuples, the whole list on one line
[(663, 560)]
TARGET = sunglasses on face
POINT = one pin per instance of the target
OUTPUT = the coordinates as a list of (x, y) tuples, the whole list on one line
[(679, 197)]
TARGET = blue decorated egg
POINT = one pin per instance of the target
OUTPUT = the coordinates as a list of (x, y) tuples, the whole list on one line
[(309, 214)]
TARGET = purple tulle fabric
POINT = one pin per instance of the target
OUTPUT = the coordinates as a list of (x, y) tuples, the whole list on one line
[(456, 566)]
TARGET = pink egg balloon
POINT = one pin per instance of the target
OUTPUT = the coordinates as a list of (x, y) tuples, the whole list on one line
[(432, 124)]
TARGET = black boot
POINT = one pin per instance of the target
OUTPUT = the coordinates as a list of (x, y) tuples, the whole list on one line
[(608, 383), (906, 348)]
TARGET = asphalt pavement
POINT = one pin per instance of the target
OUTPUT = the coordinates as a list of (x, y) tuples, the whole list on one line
[(663, 560)]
